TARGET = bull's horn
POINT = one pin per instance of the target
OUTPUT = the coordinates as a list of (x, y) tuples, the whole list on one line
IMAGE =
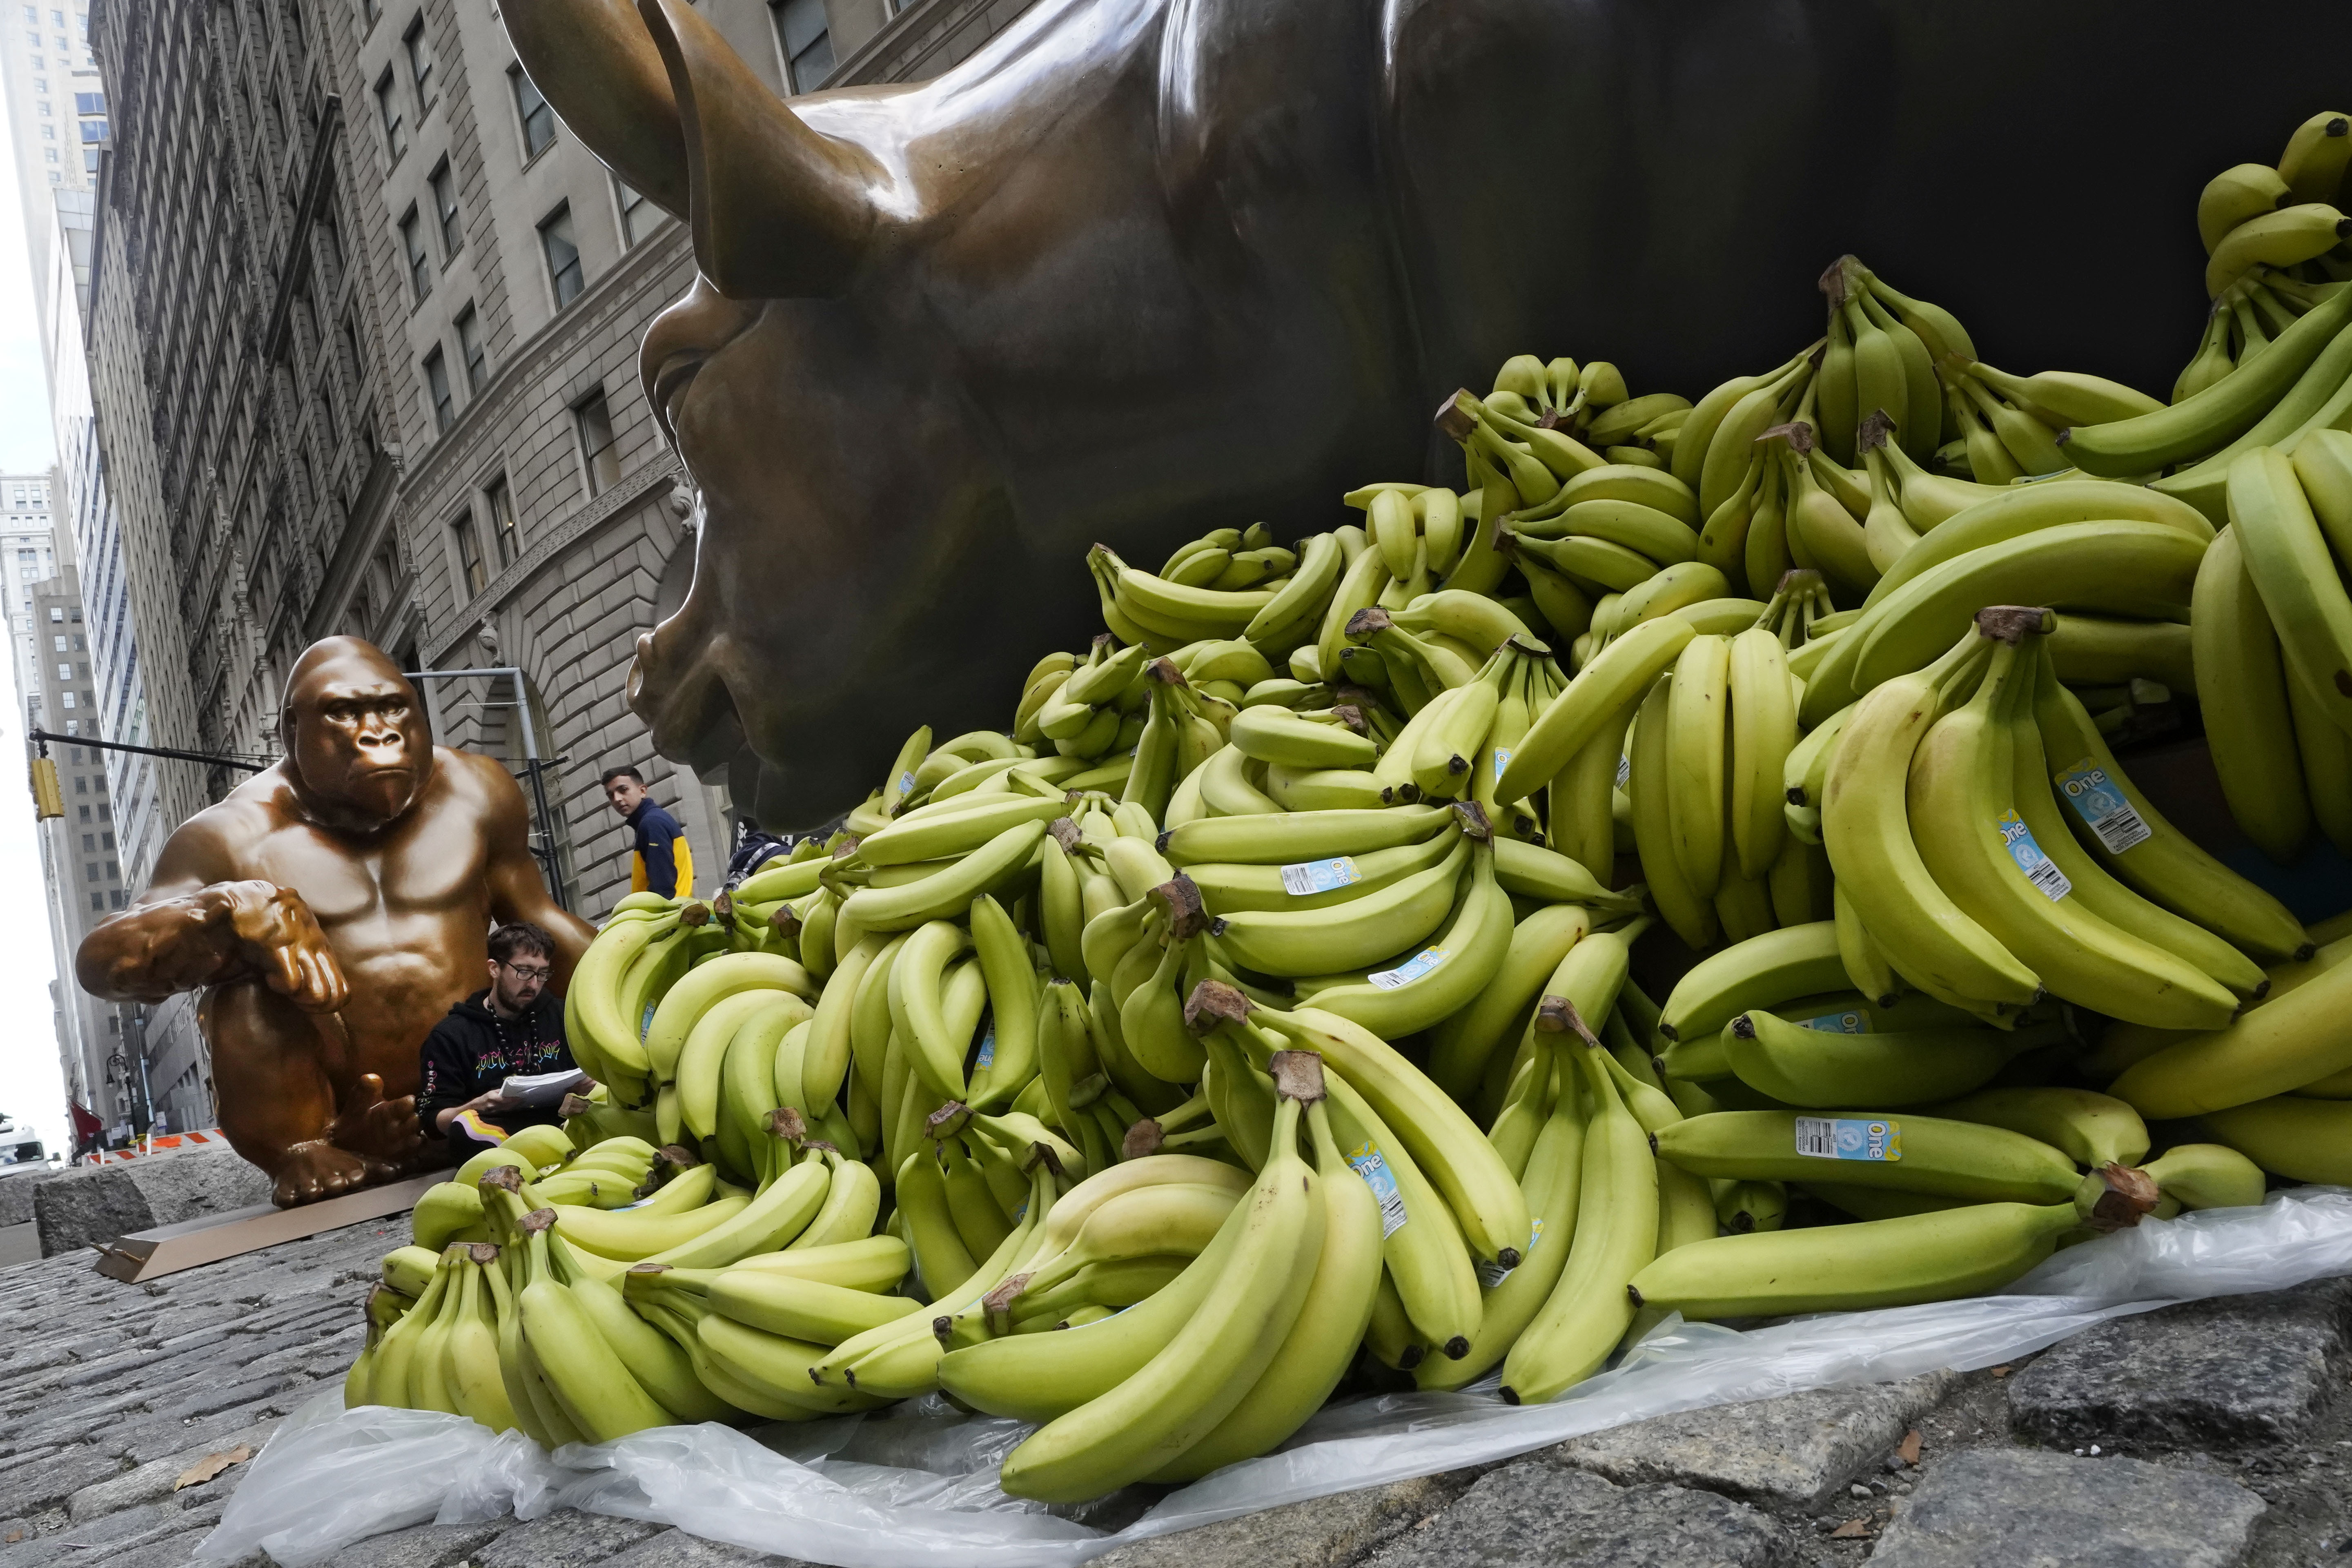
[(602, 74), (778, 211)]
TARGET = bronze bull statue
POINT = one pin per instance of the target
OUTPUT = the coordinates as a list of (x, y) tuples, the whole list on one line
[(1142, 267)]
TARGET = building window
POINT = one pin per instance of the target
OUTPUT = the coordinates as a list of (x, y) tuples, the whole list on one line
[(98, 901), (503, 532), (537, 119), (639, 217), (373, 10), (599, 455), (808, 47), (469, 345), (91, 130), (388, 107), (469, 543), (437, 387), (420, 264), (420, 62), (562, 248), (444, 209)]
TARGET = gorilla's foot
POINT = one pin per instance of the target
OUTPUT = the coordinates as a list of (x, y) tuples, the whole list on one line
[(319, 1170)]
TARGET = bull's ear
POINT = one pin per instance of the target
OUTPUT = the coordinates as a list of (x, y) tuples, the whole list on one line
[(597, 66), (778, 211)]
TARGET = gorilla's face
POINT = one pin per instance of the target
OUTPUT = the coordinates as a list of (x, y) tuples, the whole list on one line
[(359, 738)]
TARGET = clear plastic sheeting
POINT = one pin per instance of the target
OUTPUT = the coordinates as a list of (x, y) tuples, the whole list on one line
[(915, 1487)]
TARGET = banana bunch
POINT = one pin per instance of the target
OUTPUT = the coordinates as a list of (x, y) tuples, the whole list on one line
[(1708, 751), (1230, 560), (1794, 509), (1879, 354), (2270, 623), (2121, 558), (1121, 1236), (2282, 1046), (2245, 319), (2292, 382), (1225, 1359), (1777, 1020), (625, 1168), (437, 1347), (1959, 874), (1447, 1202), (1606, 533), (1590, 404), (2283, 217), (1166, 612), (1955, 1200), (747, 1332), (1095, 712), (2010, 424)]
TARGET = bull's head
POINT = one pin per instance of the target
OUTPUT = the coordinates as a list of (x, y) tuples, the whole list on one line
[(821, 469), (943, 338)]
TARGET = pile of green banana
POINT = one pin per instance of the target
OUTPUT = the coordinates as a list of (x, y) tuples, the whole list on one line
[(1253, 1018)]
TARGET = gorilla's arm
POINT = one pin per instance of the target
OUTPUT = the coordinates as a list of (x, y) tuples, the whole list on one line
[(199, 923), (518, 892)]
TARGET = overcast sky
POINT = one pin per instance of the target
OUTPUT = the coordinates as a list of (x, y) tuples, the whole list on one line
[(32, 1088)]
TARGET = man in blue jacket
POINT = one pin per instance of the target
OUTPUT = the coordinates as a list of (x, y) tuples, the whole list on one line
[(661, 860)]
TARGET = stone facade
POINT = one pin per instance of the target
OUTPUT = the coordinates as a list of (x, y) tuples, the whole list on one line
[(535, 500), (547, 522)]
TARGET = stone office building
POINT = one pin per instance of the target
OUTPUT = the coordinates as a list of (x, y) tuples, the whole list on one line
[(361, 342)]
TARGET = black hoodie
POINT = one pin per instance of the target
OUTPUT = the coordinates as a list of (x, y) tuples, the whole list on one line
[(473, 1050)]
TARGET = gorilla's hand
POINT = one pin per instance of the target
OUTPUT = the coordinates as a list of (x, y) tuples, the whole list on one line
[(282, 939), (382, 1128)]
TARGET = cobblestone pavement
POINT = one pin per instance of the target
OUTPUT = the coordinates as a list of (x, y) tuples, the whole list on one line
[(2206, 1435)]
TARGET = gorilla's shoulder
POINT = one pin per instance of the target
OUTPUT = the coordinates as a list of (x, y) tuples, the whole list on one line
[(476, 775)]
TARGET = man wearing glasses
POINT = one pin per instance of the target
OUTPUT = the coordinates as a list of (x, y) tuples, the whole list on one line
[(510, 1028)]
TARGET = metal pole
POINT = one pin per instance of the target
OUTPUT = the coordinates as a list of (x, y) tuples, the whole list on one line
[(43, 737), (545, 818)]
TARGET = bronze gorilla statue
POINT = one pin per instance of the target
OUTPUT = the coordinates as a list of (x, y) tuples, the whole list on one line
[(1142, 267)]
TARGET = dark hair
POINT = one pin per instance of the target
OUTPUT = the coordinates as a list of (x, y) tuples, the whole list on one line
[(611, 774), (521, 937)]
